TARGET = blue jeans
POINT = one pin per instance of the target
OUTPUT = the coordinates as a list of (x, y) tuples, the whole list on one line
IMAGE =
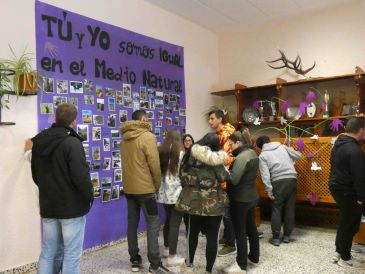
[(62, 242)]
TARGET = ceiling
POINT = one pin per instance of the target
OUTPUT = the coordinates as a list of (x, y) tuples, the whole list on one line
[(224, 15)]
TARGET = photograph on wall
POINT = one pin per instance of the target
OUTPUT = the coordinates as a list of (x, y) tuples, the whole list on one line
[(106, 163), (74, 101), (76, 87), (112, 120), (117, 175), (46, 108), (106, 181), (110, 92), (88, 86), (100, 104), (119, 97), (122, 115), (96, 133), (48, 84), (87, 116), (127, 90), (114, 133), (83, 131), (98, 119), (94, 176), (86, 149), (106, 195), (143, 93), (97, 192), (106, 144), (62, 86), (89, 99), (99, 91), (95, 151), (111, 103), (115, 193)]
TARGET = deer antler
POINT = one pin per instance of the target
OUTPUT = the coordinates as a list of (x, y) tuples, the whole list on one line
[(294, 65)]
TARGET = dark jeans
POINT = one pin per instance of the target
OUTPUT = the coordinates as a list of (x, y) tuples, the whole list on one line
[(171, 228), (149, 207), (350, 218), (285, 192), (243, 218), (210, 224), (228, 232)]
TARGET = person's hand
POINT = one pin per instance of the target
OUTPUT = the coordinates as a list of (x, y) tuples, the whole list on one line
[(271, 196), (28, 145)]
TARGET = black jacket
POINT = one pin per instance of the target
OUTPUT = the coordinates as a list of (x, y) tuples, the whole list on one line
[(61, 173), (348, 168)]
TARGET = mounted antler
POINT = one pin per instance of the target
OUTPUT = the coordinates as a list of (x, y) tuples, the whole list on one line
[(294, 65)]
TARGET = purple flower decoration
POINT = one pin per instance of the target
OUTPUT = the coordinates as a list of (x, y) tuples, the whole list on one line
[(310, 155), (285, 106), (310, 97), (336, 124), (255, 105), (302, 107), (314, 198), (300, 144)]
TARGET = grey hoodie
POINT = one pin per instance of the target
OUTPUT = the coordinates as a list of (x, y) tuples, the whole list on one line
[(277, 163)]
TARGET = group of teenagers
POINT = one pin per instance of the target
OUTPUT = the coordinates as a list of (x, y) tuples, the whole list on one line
[(201, 182)]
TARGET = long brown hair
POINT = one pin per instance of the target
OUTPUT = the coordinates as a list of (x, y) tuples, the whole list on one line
[(170, 152)]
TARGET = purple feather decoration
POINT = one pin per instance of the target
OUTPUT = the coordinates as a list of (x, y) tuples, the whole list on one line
[(255, 105), (310, 155), (302, 107), (336, 124), (285, 106), (300, 145), (314, 198), (310, 97)]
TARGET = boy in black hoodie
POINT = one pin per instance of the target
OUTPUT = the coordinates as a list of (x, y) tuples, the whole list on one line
[(347, 186)]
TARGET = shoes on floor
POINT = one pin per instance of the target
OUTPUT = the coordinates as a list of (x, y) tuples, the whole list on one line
[(160, 270), (286, 239), (252, 262), (165, 252), (351, 264), (136, 264), (188, 268), (357, 248), (175, 260), (234, 268), (275, 241), (261, 234), (227, 250), (336, 257)]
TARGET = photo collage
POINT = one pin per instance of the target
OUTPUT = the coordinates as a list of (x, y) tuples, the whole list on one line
[(101, 110)]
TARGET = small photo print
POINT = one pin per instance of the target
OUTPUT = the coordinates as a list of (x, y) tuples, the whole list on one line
[(151, 93), (95, 166), (158, 131), (62, 86), (97, 192), (158, 124), (172, 98), (98, 120), (87, 116), (166, 99), (152, 104), (135, 96), (178, 98), (144, 104), (143, 93), (99, 91), (135, 106), (121, 190), (159, 103), (106, 181), (160, 114), (106, 163), (119, 97), (76, 87), (89, 99), (100, 104), (176, 107), (117, 175), (96, 134), (164, 132), (58, 100), (83, 131), (116, 143), (168, 121), (106, 195), (168, 109), (159, 95), (115, 133), (111, 103), (94, 176), (150, 114), (115, 193), (106, 144), (116, 154), (128, 103), (112, 120), (110, 92), (117, 163), (122, 116), (95, 153), (74, 101), (88, 86), (127, 90), (182, 112), (46, 108), (176, 121), (86, 149), (48, 84)]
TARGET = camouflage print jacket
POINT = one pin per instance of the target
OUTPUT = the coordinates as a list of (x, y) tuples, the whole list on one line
[(200, 176)]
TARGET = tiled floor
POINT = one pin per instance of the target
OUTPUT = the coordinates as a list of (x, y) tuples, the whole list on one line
[(309, 253)]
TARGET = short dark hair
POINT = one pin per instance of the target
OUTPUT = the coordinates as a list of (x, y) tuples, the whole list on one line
[(210, 140), (262, 140), (65, 114), (139, 114), (187, 135), (354, 125), (218, 113), (236, 137)]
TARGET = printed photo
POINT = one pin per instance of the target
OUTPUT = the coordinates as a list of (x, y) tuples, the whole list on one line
[(117, 175), (114, 133), (159, 95), (99, 91), (62, 86), (122, 116), (135, 96), (100, 104), (152, 104), (168, 121), (182, 111), (159, 103), (166, 99), (176, 107), (89, 99), (88, 86), (135, 106), (144, 104), (48, 85), (86, 149), (97, 192), (150, 115), (83, 131), (116, 154), (128, 103), (94, 176), (117, 163), (158, 131), (111, 103), (160, 114), (86, 116), (110, 92), (96, 134), (178, 98), (121, 190), (76, 87), (116, 144), (95, 165), (168, 109), (106, 181), (115, 193), (119, 97), (106, 163), (164, 132), (143, 93), (112, 120), (106, 144), (98, 120), (172, 98), (127, 90), (106, 195), (158, 124), (151, 93), (176, 121), (58, 100), (74, 101), (95, 153)]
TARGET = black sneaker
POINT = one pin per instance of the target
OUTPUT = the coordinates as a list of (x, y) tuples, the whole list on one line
[(160, 270), (261, 234), (136, 264)]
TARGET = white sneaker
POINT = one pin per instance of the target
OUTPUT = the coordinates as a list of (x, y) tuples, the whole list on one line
[(352, 263), (165, 252), (234, 268), (175, 260), (336, 257)]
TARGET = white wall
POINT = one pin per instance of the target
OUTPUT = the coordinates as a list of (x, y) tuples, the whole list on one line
[(20, 229), (334, 38)]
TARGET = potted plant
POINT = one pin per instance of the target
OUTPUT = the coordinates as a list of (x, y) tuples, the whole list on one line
[(24, 80)]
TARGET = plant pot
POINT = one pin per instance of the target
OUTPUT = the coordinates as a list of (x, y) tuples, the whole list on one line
[(27, 86)]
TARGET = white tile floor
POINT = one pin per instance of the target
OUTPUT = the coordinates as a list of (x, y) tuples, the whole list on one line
[(309, 253)]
